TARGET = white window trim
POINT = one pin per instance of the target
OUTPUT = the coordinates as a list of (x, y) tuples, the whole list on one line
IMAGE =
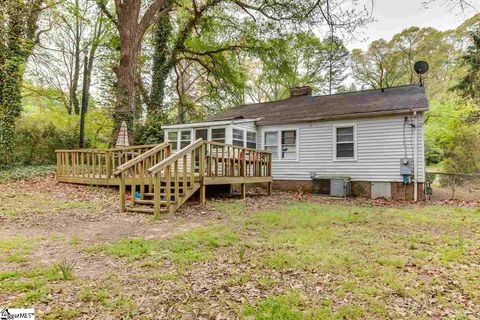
[(167, 133), (345, 125), (279, 141), (195, 129), (210, 133), (179, 137), (245, 131)]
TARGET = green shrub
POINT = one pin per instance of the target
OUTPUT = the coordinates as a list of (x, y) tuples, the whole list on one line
[(24, 172), (36, 143)]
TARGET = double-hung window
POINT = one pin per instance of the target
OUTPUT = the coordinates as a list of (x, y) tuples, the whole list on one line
[(173, 138), (218, 135), (282, 144), (271, 143), (251, 139), (238, 137), (345, 143), (289, 145), (185, 138)]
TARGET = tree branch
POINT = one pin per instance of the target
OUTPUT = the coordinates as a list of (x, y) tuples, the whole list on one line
[(107, 12), (155, 10)]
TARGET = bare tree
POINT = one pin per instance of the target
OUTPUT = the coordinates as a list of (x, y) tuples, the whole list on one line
[(455, 5), (57, 62)]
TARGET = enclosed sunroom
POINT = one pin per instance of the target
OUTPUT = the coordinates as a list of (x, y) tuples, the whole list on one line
[(241, 132)]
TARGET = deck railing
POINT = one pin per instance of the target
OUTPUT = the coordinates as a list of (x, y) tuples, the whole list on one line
[(182, 173), (153, 171), (224, 160), (90, 164)]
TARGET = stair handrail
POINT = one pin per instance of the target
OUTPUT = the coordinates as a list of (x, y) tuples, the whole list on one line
[(127, 165), (177, 155)]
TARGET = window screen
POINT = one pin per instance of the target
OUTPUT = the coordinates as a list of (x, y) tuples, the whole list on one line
[(271, 143), (185, 139), (345, 143), (289, 145), (173, 138), (237, 137), (251, 140), (218, 135)]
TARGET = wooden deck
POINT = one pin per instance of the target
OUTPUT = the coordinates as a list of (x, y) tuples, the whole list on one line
[(162, 180)]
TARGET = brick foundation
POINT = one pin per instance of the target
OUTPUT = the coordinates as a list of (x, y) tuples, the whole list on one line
[(359, 188), (398, 191), (293, 185)]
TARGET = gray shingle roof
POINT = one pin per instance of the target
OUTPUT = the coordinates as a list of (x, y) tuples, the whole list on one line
[(352, 104)]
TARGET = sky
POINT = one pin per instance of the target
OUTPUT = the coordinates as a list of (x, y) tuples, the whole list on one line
[(393, 16)]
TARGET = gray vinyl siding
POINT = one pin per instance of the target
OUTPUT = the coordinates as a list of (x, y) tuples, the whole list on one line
[(379, 147)]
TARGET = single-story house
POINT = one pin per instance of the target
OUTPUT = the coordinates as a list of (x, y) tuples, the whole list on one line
[(367, 143)]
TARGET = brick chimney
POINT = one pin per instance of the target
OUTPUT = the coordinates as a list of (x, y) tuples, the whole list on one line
[(301, 91)]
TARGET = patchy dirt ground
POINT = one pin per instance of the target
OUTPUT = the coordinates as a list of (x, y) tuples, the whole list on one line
[(67, 251)]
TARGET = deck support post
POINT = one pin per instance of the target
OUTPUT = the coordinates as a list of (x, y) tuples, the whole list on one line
[(156, 195), (122, 193), (202, 194), (269, 188), (243, 188), (133, 189), (108, 164)]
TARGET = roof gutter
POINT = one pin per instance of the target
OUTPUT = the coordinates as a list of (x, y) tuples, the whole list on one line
[(208, 123)]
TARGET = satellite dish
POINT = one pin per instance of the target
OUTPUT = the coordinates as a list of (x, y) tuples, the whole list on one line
[(420, 67)]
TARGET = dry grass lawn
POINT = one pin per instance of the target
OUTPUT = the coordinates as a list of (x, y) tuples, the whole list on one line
[(68, 252)]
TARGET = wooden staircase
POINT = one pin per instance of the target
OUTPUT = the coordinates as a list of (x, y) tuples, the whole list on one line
[(161, 182), (167, 204)]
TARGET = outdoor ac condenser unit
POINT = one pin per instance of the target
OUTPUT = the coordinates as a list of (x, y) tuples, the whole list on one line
[(332, 185)]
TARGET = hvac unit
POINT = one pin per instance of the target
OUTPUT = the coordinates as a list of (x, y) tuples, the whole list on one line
[(332, 185)]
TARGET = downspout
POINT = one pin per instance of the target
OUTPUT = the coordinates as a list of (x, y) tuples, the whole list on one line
[(415, 160)]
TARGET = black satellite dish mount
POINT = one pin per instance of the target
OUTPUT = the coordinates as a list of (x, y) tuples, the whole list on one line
[(421, 67)]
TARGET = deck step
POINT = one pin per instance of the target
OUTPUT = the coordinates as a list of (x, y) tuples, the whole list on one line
[(145, 210), (162, 193), (142, 210), (139, 201), (152, 202)]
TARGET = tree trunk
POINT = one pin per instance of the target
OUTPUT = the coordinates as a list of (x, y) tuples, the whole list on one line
[(126, 91), (161, 63), (81, 141), (76, 68), (130, 38), (131, 28), (17, 33)]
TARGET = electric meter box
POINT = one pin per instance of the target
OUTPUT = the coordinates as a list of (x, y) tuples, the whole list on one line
[(406, 167)]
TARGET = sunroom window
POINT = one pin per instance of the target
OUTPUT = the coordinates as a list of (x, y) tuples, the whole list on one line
[(185, 138), (237, 137), (251, 139), (218, 135), (173, 138)]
